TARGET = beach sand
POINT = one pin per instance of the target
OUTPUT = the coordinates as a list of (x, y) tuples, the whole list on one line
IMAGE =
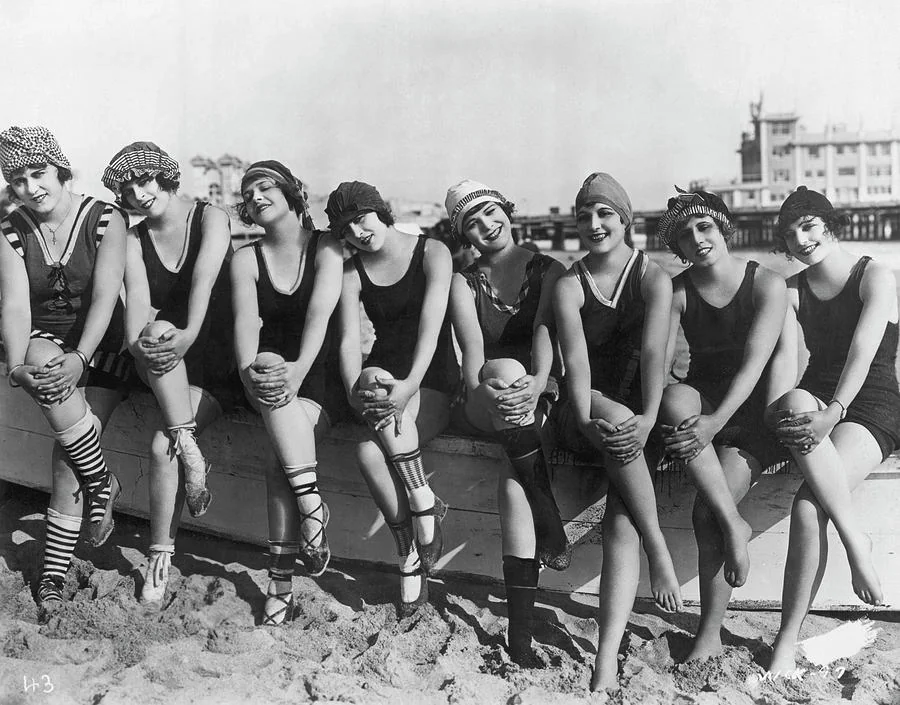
[(345, 643)]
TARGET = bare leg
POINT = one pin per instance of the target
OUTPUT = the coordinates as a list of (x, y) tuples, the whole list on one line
[(827, 470), (635, 486), (740, 470), (680, 402), (808, 545), (618, 587)]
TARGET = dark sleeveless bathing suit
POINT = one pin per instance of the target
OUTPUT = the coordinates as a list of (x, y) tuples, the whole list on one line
[(210, 360), (716, 339), (60, 291), (394, 311), (283, 318), (828, 327)]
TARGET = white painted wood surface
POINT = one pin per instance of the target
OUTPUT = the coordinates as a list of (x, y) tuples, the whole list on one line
[(463, 472)]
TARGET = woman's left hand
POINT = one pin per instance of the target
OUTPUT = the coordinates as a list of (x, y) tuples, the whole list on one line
[(690, 437), (519, 400), (804, 431), (171, 347), (629, 438), (59, 378), (400, 391)]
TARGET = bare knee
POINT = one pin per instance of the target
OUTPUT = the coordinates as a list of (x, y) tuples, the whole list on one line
[(798, 400), (369, 454), (41, 351), (610, 411), (368, 378), (268, 359), (154, 329), (505, 369), (679, 401)]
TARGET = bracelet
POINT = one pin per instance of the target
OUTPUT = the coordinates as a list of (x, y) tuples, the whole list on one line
[(10, 374), (82, 357), (843, 408)]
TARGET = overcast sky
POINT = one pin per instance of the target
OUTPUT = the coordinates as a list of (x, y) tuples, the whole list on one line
[(528, 96)]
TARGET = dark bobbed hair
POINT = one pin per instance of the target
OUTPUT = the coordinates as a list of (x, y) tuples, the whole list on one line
[(508, 207), (835, 222), (294, 194), (165, 183)]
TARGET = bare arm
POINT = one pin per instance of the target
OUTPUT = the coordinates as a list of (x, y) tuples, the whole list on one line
[(468, 331), (246, 308), (676, 312), (326, 292), (784, 370), (656, 288), (215, 244), (350, 347), (542, 351), (438, 267), (568, 301), (15, 304), (137, 291)]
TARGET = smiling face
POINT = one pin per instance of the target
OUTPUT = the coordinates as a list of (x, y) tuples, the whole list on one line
[(145, 196), (488, 227), (809, 240), (700, 240), (265, 201), (38, 188), (365, 232), (600, 228)]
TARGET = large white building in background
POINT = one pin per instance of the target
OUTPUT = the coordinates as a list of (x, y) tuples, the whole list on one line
[(861, 167)]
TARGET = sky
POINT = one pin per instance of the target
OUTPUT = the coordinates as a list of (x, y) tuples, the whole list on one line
[(528, 96)]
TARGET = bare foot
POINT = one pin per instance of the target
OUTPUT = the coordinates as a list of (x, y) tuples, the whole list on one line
[(865, 580), (783, 657), (663, 580), (606, 675), (704, 648), (737, 557)]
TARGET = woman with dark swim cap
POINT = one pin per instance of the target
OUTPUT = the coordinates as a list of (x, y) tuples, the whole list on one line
[(612, 313), (177, 326), (732, 313), (289, 281), (403, 392), (501, 311), (61, 261), (843, 419)]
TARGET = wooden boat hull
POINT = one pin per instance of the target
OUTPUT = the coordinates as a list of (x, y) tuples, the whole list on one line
[(463, 472)]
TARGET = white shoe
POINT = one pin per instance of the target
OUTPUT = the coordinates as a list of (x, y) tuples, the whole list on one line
[(156, 577), (196, 467)]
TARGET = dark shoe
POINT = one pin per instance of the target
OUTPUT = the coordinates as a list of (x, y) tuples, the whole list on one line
[(279, 608), (408, 609), (99, 531), (315, 558), (556, 561), (430, 553)]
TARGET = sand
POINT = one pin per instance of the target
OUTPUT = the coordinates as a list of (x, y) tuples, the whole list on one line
[(345, 643)]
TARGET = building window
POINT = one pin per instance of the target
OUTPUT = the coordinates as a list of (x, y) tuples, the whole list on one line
[(851, 149), (846, 171), (781, 128), (751, 196), (781, 175), (813, 152), (781, 151), (885, 148), (839, 149), (872, 149), (821, 173), (809, 173), (884, 170)]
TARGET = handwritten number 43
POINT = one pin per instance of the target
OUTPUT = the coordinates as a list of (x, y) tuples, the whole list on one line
[(42, 686)]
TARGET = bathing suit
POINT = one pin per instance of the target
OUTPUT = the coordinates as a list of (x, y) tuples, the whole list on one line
[(394, 311), (210, 360), (716, 339), (283, 316), (828, 327), (61, 290)]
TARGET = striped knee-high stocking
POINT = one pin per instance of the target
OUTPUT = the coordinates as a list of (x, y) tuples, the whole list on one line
[(62, 535), (411, 469), (82, 444)]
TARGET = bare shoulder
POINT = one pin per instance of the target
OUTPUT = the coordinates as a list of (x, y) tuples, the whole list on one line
[(877, 277), (768, 281)]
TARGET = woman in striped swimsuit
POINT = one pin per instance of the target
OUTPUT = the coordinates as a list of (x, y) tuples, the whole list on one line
[(177, 324), (61, 265)]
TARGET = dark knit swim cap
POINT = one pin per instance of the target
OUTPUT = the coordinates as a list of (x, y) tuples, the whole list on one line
[(684, 206), (600, 187), (803, 202), (350, 199)]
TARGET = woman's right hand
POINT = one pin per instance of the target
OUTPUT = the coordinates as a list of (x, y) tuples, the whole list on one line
[(32, 379), (267, 382)]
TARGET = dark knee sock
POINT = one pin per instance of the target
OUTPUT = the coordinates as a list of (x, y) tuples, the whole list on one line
[(282, 559), (523, 447), (521, 578)]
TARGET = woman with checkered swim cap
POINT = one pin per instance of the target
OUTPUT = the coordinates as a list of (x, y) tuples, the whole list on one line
[(61, 261), (177, 327)]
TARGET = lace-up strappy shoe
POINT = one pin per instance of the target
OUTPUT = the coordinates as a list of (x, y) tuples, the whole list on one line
[(315, 557), (196, 468), (407, 609), (99, 531), (279, 608), (49, 593), (430, 553)]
